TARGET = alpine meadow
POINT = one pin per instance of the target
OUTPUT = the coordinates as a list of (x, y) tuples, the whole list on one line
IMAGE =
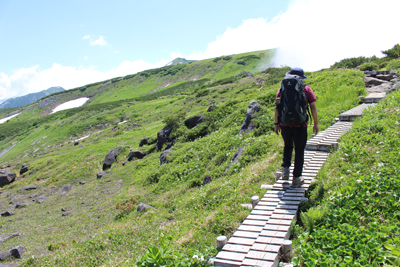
[(173, 187)]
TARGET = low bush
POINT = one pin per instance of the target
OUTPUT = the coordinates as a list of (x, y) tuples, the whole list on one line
[(369, 66)]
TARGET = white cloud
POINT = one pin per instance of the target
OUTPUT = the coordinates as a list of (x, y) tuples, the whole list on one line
[(86, 37), (100, 41), (34, 79), (314, 34)]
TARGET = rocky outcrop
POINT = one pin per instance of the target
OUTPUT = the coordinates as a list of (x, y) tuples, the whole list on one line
[(15, 252), (236, 156), (207, 179), (244, 74), (142, 207), (23, 169), (28, 187), (163, 137), (163, 156), (144, 142), (136, 154), (194, 121), (7, 178), (210, 108), (101, 174), (111, 157), (247, 126), (7, 213)]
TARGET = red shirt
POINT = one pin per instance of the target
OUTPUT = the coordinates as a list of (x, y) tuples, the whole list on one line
[(310, 97)]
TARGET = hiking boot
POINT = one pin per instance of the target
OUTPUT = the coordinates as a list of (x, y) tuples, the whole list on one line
[(285, 173), (297, 182)]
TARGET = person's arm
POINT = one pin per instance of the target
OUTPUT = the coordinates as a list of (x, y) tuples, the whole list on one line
[(276, 122), (314, 114)]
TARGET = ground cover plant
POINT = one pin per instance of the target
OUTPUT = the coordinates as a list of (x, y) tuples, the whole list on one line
[(357, 196), (196, 196)]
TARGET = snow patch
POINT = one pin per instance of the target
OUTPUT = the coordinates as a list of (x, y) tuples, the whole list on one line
[(7, 118), (71, 104)]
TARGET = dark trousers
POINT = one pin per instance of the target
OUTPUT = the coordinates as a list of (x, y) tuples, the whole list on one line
[(296, 136)]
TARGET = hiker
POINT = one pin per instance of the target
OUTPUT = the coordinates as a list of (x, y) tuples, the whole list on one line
[(291, 119)]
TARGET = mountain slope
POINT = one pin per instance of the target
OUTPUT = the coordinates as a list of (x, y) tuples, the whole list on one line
[(29, 98)]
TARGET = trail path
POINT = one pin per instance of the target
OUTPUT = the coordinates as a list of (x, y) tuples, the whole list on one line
[(259, 239)]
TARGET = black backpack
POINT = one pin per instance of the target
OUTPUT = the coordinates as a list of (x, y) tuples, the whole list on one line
[(292, 104)]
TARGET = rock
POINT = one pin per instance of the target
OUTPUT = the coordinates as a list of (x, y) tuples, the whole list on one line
[(18, 251), (76, 143), (136, 154), (247, 126), (244, 74), (163, 156), (194, 121), (82, 182), (15, 252), (101, 174), (169, 145), (65, 190), (371, 81), (28, 187), (23, 169), (111, 157), (7, 213), (8, 237), (210, 108), (163, 137), (236, 156), (142, 207), (144, 142), (386, 77), (7, 178), (41, 199), (22, 204), (66, 213), (9, 265), (16, 197), (81, 146), (207, 180)]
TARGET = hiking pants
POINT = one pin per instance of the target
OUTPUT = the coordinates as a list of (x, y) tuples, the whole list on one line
[(298, 137)]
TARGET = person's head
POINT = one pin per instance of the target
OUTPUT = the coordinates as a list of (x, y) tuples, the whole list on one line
[(298, 71)]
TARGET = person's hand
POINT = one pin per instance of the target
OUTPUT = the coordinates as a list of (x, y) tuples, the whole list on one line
[(277, 129), (315, 129)]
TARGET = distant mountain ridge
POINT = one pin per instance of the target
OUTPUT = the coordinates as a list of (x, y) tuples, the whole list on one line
[(178, 60), (29, 98)]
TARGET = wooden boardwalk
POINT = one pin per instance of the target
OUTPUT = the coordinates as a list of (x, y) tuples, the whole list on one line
[(258, 241)]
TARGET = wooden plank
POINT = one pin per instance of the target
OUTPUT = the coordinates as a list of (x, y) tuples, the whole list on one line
[(262, 212), (261, 263), (226, 263), (236, 248), (246, 234), (266, 247), (257, 217), (261, 255), (270, 240), (233, 256), (254, 222), (241, 241), (279, 222), (276, 234), (250, 228)]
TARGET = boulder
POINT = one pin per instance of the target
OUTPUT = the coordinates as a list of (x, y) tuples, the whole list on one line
[(142, 207), (22, 204), (23, 169), (136, 154), (65, 190), (101, 174), (18, 251), (207, 180), (244, 74), (371, 81), (41, 199), (236, 156), (111, 157), (28, 187), (144, 142), (247, 126), (210, 108), (7, 213), (163, 156), (7, 178), (163, 137), (194, 121)]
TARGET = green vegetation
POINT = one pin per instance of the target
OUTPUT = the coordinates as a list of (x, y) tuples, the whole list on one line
[(103, 228), (360, 186)]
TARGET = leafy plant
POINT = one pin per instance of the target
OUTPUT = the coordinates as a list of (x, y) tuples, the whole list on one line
[(393, 253), (313, 217)]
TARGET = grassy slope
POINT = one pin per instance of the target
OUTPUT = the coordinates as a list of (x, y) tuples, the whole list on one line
[(193, 215)]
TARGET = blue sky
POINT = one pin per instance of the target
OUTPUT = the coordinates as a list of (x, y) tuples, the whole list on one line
[(72, 43)]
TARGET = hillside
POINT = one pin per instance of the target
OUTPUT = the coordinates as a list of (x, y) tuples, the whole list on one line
[(29, 98), (72, 217)]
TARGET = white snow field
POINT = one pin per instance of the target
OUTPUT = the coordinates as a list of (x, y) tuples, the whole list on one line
[(71, 104)]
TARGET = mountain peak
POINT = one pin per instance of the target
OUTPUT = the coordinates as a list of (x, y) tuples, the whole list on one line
[(178, 60)]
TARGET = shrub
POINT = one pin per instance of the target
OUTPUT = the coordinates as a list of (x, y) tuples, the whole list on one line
[(241, 62), (393, 52), (393, 64), (369, 66)]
